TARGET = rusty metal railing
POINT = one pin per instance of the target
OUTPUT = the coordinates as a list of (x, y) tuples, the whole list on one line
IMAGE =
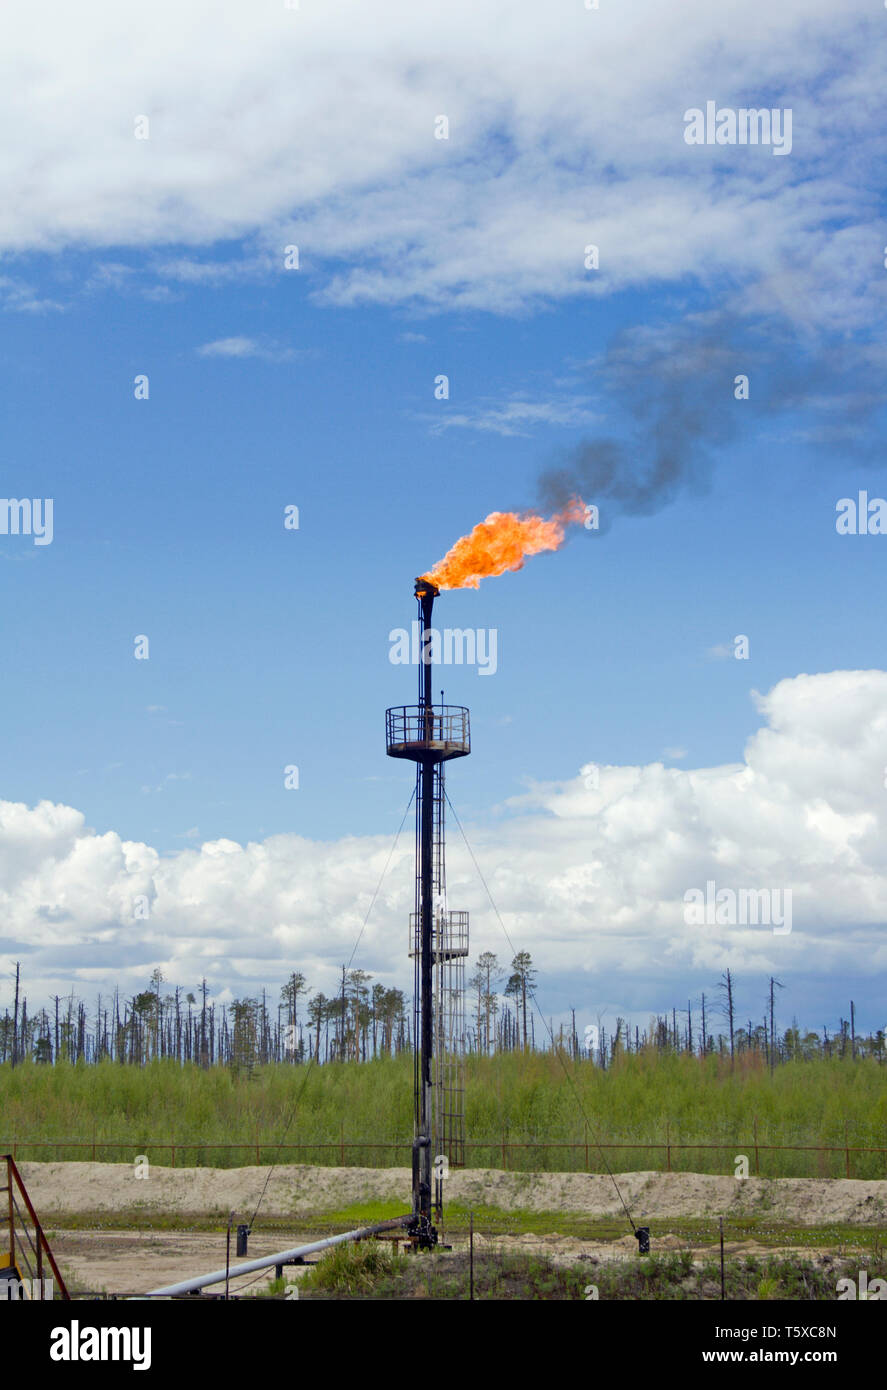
[(27, 1249), (269, 1150)]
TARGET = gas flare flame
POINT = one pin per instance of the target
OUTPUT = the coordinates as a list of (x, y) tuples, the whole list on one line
[(500, 543)]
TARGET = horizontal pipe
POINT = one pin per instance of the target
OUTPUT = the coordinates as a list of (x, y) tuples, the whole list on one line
[(218, 1276)]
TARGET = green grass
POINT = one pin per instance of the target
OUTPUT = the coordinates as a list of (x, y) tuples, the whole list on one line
[(510, 1097), (354, 1268), (356, 1272)]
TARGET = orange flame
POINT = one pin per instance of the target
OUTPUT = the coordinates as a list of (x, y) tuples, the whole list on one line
[(502, 542)]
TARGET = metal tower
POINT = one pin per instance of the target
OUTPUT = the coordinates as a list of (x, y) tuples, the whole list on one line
[(430, 735)]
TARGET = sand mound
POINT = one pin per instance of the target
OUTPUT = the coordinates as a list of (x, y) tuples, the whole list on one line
[(300, 1191)]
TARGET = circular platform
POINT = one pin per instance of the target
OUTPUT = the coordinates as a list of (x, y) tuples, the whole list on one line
[(417, 732)]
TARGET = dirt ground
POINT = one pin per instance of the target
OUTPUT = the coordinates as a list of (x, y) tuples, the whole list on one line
[(133, 1262), (130, 1262), (298, 1197)]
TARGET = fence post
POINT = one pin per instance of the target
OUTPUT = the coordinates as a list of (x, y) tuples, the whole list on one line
[(846, 1150), (200, 1148), (723, 1283)]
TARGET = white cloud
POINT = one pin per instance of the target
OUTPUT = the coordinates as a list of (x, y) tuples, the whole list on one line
[(160, 294), (316, 126), (189, 271), (110, 275), (18, 297), (230, 347), (516, 417), (587, 879), (246, 347)]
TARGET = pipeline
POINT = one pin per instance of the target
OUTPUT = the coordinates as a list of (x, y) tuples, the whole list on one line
[(283, 1257)]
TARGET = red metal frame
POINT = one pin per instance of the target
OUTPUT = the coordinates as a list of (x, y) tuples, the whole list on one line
[(41, 1248)]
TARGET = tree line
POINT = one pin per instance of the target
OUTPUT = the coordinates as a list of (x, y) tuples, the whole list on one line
[(363, 1020), (687, 1031)]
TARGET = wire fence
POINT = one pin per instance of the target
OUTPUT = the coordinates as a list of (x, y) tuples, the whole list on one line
[(499, 1152)]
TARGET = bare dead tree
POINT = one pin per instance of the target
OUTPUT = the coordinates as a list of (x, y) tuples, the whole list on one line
[(726, 984)]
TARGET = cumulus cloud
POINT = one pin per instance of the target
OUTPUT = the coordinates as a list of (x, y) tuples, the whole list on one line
[(317, 127), (589, 878)]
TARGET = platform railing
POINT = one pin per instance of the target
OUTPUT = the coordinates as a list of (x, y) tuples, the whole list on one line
[(444, 726)]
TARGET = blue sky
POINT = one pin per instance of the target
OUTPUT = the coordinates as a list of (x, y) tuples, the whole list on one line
[(271, 646), (315, 387)]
